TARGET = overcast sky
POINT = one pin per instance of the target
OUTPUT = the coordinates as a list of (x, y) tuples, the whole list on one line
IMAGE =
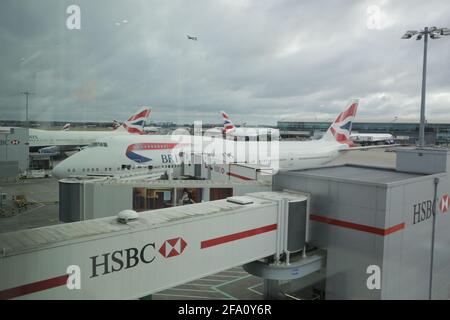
[(258, 60)]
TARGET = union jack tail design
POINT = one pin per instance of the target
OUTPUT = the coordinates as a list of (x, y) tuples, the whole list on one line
[(341, 128), (135, 124), (227, 124), (66, 127)]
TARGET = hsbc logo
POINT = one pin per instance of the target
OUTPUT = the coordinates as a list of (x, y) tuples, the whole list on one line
[(128, 258), (422, 211), (444, 203), (172, 247), (15, 141)]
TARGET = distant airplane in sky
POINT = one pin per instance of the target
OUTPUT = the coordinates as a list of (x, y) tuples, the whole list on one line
[(192, 38)]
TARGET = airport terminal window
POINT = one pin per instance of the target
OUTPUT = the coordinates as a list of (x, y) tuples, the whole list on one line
[(102, 82)]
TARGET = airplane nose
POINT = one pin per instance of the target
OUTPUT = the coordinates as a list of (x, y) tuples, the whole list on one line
[(58, 172)]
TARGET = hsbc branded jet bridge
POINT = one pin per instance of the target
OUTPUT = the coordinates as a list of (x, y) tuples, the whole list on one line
[(141, 253)]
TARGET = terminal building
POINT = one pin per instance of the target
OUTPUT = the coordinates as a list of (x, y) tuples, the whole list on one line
[(404, 130), (13, 152)]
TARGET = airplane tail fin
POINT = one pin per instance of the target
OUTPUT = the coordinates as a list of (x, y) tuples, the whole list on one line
[(135, 124), (66, 127), (227, 123), (341, 128)]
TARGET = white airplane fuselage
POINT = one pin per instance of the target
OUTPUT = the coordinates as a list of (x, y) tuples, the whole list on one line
[(115, 154), (43, 138), (63, 139)]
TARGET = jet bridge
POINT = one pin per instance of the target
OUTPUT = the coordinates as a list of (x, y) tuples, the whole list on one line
[(108, 258)]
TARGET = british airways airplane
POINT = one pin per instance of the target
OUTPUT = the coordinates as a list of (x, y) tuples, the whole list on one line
[(232, 131), (114, 154), (46, 140)]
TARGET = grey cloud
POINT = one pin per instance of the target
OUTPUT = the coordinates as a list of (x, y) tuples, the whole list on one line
[(258, 60)]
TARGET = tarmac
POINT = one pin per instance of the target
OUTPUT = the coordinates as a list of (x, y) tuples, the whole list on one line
[(42, 210)]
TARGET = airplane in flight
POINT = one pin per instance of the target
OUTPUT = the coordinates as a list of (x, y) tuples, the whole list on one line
[(52, 141), (114, 154), (191, 38)]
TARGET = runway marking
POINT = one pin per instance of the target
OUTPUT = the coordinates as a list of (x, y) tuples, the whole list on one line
[(186, 296), (33, 209), (292, 297), (198, 284), (226, 283), (194, 290), (225, 276), (252, 289), (238, 272), (204, 279)]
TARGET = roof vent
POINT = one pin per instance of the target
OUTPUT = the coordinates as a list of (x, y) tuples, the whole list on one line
[(125, 216), (240, 200)]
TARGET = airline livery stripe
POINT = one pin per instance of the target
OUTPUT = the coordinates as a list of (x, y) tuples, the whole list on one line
[(237, 236), (33, 287), (359, 227)]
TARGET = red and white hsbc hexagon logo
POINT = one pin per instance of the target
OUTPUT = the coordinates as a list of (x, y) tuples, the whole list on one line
[(172, 247), (121, 259), (444, 203), (15, 141)]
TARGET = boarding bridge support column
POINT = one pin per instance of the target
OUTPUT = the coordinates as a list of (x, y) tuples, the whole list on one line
[(290, 261)]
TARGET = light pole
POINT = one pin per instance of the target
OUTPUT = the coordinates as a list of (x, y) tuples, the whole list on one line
[(434, 33), (27, 94)]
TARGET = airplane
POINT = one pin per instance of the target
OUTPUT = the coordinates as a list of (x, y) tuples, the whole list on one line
[(66, 127), (148, 130), (51, 141), (114, 154), (152, 130), (227, 123), (372, 138), (115, 124), (230, 131), (191, 38)]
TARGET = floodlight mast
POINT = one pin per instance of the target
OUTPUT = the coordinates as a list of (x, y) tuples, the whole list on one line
[(434, 33), (424, 85)]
